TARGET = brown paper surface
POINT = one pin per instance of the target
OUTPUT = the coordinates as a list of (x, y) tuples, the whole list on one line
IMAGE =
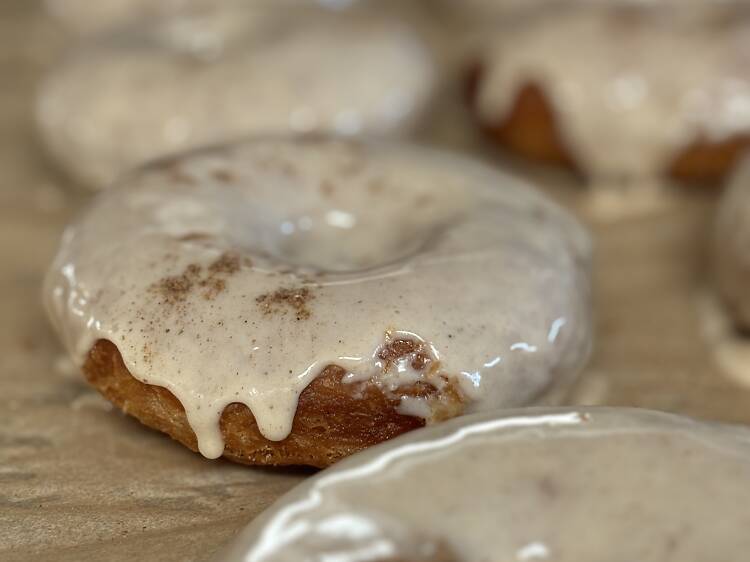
[(80, 481)]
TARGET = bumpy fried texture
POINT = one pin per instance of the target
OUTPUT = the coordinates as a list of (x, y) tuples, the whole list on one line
[(531, 130), (333, 419)]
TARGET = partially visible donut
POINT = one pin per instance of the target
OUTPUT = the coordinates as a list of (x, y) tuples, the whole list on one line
[(569, 485), (294, 301), (201, 79), (731, 247), (619, 95)]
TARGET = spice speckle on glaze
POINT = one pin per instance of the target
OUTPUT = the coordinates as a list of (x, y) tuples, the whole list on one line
[(630, 88), (536, 484), (201, 79), (282, 300), (450, 273)]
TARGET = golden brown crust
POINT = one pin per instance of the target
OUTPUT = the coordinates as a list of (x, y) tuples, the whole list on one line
[(333, 419), (708, 162), (530, 129)]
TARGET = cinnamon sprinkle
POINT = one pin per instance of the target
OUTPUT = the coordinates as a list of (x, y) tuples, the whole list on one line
[(401, 347), (223, 176), (176, 288), (281, 300), (228, 263)]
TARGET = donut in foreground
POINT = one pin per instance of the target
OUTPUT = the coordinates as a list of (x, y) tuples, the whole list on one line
[(200, 79), (291, 301), (535, 484), (620, 95)]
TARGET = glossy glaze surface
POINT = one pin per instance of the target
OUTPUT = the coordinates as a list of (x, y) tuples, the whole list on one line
[(581, 485), (238, 274)]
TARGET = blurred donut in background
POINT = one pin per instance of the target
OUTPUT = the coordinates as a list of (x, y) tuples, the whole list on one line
[(203, 79), (87, 17), (620, 95)]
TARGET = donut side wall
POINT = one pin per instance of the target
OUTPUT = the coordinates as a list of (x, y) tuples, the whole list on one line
[(333, 419)]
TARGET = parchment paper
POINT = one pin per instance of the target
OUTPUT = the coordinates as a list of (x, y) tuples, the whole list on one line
[(80, 481)]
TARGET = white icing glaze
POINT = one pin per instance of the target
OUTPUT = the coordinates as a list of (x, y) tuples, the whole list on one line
[(379, 240), (537, 484), (731, 245), (630, 90), (205, 79)]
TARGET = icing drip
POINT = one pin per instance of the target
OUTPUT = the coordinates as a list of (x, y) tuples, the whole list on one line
[(238, 274)]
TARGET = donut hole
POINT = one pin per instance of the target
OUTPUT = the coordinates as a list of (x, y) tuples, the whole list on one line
[(346, 239), (295, 215), (319, 203)]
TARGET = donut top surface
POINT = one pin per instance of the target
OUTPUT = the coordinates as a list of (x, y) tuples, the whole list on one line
[(630, 88), (237, 274), (213, 77), (538, 484)]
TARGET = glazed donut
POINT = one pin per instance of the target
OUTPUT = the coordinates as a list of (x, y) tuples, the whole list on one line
[(620, 95), (293, 301), (731, 247), (214, 77), (535, 484)]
